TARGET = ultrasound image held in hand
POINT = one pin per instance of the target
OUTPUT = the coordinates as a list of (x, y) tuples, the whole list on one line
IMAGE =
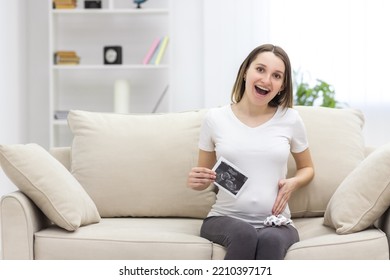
[(229, 177)]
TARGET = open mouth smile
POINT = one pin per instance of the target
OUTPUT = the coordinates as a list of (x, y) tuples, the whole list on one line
[(261, 90)]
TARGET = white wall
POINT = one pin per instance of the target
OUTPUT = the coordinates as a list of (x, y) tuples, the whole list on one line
[(13, 77), (210, 40), (38, 71), (187, 55), (231, 29)]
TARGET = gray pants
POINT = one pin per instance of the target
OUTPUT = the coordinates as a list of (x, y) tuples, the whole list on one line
[(245, 242)]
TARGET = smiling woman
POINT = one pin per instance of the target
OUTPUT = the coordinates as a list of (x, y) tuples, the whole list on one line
[(256, 133)]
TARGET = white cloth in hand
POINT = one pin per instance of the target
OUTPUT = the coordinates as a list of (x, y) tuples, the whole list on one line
[(276, 221)]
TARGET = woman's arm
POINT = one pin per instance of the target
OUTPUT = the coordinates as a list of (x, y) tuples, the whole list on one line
[(304, 174), (202, 176)]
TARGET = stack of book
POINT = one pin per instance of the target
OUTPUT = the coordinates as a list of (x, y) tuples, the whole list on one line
[(64, 4), (156, 51), (66, 57)]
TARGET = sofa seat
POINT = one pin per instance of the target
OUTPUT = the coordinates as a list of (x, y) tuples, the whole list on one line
[(178, 238), (125, 238), (321, 242)]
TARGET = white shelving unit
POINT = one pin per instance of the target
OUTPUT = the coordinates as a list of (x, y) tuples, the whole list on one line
[(90, 84)]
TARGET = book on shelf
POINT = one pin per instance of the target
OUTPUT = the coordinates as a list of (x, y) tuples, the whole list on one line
[(66, 57), (156, 51), (64, 4), (161, 50), (151, 51)]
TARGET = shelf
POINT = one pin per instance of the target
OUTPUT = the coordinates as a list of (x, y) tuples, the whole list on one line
[(90, 85), (109, 67), (110, 11)]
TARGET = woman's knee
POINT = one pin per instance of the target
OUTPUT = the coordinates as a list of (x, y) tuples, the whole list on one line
[(244, 235), (241, 242), (233, 229), (273, 243)]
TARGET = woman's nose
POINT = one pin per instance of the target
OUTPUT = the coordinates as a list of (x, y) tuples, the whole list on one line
[(267, 79)]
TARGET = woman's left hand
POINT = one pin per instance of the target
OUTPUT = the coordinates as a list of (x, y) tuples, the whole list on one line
[(305, 173), (286, 187)]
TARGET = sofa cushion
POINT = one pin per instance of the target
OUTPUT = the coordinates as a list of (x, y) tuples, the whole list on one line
[(126, 239), (137, 165), (49, 185), (363, 196), (319, 242), (178, 238), (337, 146)]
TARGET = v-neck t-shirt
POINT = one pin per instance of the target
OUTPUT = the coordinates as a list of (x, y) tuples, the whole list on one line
[(261, 153)]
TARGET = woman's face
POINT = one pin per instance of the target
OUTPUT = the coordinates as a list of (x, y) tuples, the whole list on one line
[(264, 78)]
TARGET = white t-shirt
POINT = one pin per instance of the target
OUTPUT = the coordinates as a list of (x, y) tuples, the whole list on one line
[(261, 153)]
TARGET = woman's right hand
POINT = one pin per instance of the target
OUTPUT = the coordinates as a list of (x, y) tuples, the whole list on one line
[(200, 178)]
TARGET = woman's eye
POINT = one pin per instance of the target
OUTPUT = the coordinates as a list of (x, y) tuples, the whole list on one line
[(260, 69), (277, 76)]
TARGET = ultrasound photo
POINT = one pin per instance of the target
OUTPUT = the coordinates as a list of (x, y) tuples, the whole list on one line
[(229, 177)]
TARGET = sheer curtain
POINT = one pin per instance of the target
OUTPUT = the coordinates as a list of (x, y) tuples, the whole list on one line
[(344, 43)]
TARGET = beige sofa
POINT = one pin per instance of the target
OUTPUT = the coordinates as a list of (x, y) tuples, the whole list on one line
[(120, 191)]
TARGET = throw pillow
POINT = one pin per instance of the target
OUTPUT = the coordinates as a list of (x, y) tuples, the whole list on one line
[(137, 165), (363, 196), (49, 185)]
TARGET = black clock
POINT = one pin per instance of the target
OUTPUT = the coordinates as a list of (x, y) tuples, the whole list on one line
[(112, 55)]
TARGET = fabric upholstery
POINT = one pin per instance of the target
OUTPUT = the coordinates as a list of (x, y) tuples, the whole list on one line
[(319, 242), (363, 196), (127, 239), (137, 165), (337, 146), (49, 184), (172, 238)]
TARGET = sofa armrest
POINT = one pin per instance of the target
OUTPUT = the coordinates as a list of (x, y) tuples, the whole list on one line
[(384, 224), (19, 219)]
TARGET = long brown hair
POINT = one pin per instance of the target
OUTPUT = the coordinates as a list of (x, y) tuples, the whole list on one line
[(285, 98)]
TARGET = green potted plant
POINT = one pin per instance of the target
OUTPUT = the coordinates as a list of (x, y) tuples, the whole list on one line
[(321, 93)]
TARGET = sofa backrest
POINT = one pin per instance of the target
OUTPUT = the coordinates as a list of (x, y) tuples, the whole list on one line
[(337, 146), (137, 165)]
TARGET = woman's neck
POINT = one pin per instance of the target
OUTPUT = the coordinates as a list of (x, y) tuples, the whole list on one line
[(253, 116), (250, 110)]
